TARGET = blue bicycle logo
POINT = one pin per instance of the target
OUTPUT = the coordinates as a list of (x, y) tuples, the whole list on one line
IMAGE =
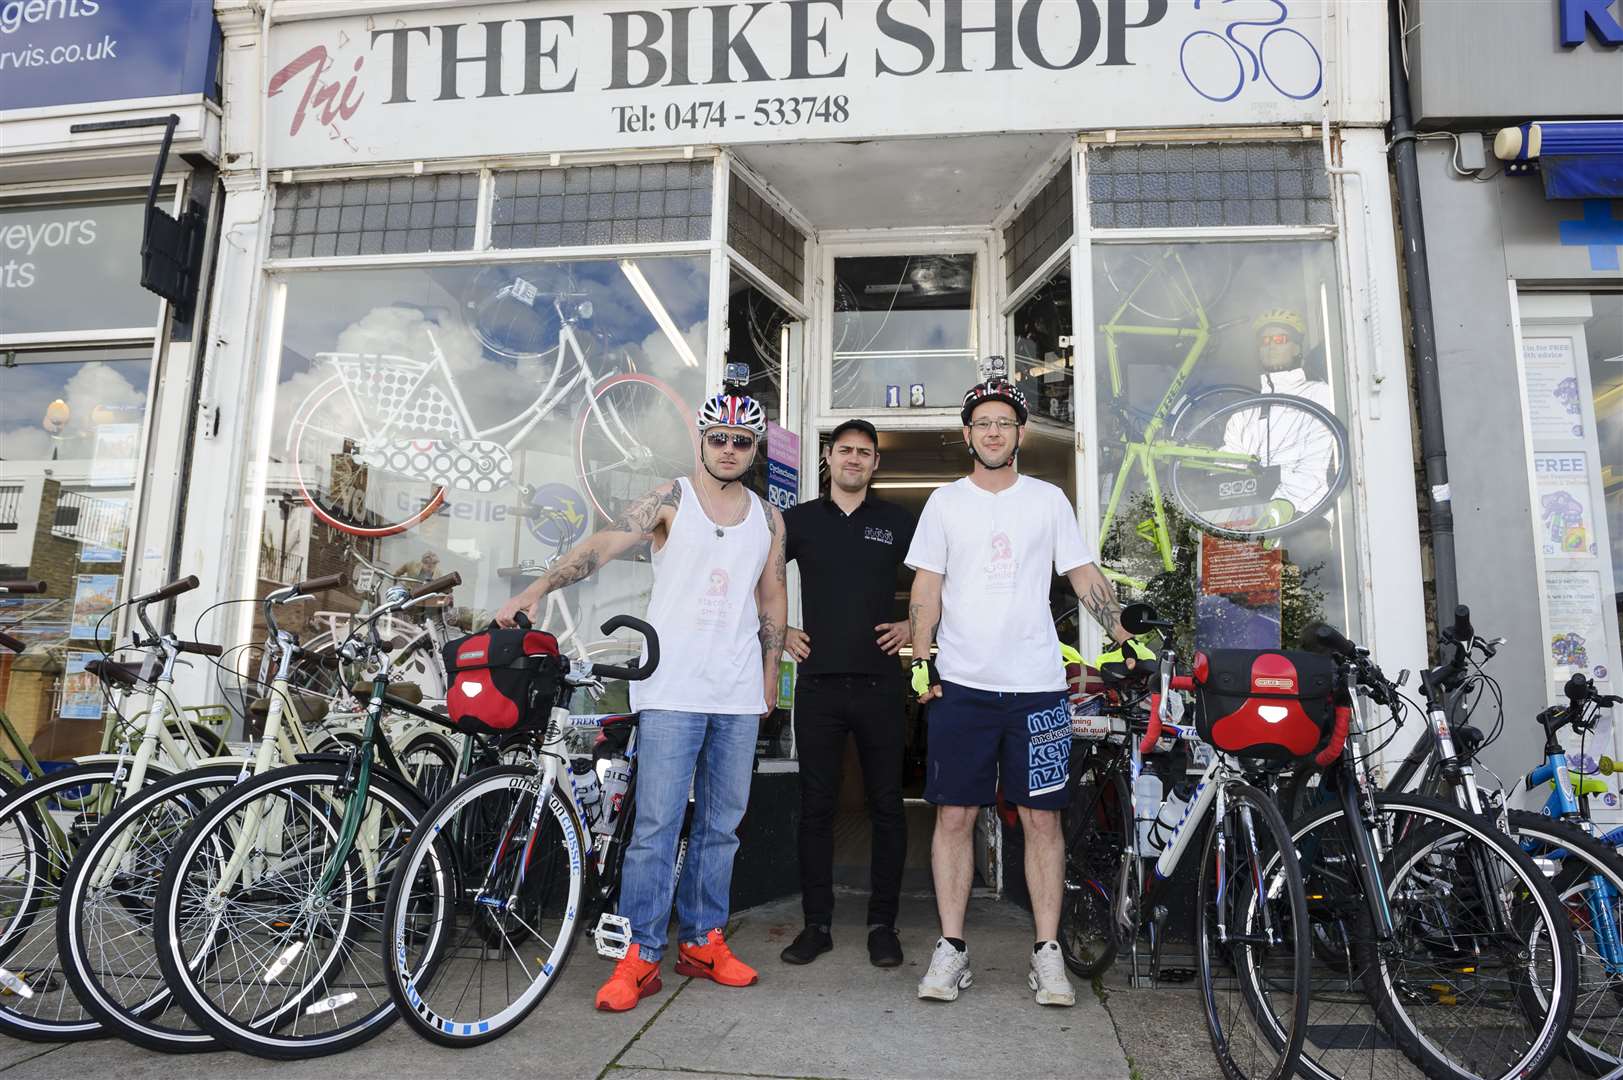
[(1215, 65)]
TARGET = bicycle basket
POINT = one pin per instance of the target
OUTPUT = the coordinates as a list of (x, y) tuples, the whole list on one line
[(1269, 704), (503, 680)]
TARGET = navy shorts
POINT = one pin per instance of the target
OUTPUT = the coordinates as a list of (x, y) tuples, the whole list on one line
[(976, 736)]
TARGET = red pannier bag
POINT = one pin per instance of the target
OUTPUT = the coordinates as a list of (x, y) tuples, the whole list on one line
[(1272, 705), (503, 680)]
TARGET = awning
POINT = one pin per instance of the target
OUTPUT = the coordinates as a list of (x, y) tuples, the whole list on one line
[(1579, 159)]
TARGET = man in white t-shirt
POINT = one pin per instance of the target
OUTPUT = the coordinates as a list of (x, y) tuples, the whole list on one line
[(985, 550)]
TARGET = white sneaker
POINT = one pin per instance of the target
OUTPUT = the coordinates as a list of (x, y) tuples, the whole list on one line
[(949, 973), (1048, 976)]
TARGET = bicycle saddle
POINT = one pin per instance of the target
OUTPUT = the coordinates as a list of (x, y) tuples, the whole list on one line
[(1115, 675), (410, 693), (114, 673)]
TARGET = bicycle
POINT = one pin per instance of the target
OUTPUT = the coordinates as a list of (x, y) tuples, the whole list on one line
[(1246, 492), (406, 418), (266, 917), (1240, 53), (505, 868), (1250, 896)]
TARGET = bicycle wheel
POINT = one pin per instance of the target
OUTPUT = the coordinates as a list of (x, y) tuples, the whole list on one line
[(633, 435), (429, 762), (484, 913), (1099, 840), (1297, 466), (256, 951), (42, 825), (1589, 883), (361, 441), (1471, 983), (104, 924), (1253, 976)]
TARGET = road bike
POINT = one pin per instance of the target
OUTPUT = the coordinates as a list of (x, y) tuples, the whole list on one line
[(403, 425), (1227, 48)]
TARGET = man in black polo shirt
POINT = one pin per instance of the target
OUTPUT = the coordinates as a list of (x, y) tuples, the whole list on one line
[(849, 546)]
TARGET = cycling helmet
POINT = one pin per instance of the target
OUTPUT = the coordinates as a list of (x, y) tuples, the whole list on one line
[(733, 410), (994, 390), (1280, 317)]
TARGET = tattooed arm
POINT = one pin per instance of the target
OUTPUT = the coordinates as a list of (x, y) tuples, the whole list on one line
[(772, 600), (635, 525), (923, 616), (1098, 598)]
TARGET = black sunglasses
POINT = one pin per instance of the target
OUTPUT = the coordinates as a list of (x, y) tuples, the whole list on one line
[(719, 439)]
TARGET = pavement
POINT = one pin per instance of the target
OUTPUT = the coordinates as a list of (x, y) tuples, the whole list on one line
[(838, 1018)]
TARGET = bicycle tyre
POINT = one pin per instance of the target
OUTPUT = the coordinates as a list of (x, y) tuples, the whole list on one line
[(606, 475), (414, 970), (1185, 472), (1099, 836), (1231, 1035), (1582, 858), (429, 760), (199, 965), (134, 1006)]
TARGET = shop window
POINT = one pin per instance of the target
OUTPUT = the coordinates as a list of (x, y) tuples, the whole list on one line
[(74, 266), (1205, 184), (481, 419), (1042, 227), (602, 204), (1040, 332), (904, 331), (770, 241), (1220, 376), (375, 217)]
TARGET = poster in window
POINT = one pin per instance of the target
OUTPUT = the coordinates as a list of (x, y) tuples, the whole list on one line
[(1553, 408), (93, 596), (1565, 512), (108, 544), (1577, 624), (81, 691), (1237, 605), (117, 447)]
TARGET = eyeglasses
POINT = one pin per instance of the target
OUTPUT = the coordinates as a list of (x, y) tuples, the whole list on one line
[(1275, 339), (719, 439), (1003, 424)]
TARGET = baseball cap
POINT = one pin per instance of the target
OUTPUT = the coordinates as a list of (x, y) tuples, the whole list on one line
[(854, 425)]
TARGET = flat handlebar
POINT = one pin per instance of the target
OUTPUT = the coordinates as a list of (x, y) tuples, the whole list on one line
[(174, 588), (439, 584), (11, 588), (14, 644)]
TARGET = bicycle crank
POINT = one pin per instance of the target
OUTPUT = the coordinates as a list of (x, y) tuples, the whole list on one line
[(474, 465)]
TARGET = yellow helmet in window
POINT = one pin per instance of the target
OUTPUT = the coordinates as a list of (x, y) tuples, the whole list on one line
[(1280, 317)]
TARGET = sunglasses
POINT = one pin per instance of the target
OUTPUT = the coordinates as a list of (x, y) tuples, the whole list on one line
[(1275, 339), (719, 439)]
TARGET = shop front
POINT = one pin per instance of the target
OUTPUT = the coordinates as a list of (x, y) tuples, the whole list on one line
[(97, 375), (487, 260), (1528, 301)]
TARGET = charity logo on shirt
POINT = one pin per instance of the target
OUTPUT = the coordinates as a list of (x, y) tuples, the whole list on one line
[(714, 606), (883, 536), (1001, 566)]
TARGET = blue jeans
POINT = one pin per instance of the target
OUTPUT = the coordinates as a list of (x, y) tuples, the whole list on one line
[(715, 753)]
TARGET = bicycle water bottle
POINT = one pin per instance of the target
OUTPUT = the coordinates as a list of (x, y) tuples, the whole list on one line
[(614, 773), (1146, 805), (588, 791), (1171, 813)]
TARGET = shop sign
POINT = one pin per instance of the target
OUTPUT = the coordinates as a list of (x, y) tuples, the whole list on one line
[(1579, 18), (70, 52), (568, 75), (782, 467), (73, 267)]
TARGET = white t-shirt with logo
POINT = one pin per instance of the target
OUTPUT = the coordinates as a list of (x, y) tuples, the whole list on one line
[(998, 553)]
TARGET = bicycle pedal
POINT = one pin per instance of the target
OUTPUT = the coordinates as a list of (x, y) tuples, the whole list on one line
[(613, 936)]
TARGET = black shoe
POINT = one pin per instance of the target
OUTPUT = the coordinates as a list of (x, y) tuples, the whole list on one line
[(813, 942), (884, 949)]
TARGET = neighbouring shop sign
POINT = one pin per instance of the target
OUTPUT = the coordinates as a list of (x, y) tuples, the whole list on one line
[(570, 75), (782, 467), (69, 52), (73, 267)]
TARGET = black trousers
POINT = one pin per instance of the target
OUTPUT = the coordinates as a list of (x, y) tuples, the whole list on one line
[(869, 707)]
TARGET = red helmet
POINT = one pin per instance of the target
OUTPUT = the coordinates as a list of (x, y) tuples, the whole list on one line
[(994, 390)]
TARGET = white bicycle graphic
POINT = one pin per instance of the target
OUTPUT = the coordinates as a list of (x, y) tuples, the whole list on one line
[(1215, 64), (406, 423)]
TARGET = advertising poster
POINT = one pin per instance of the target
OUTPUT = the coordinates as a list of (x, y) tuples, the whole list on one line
[(93, 596), (1237, 603), (782, 466), (1577, 624), (81, 691), (92, 552), (1553, 409), (117, 447), (1566, 518)]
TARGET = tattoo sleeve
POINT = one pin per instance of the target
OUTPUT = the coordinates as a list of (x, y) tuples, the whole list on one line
[(642, 515), (1100, 600), (578, 565), (771, 636)]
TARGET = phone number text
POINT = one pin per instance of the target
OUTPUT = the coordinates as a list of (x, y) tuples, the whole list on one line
[(701, 115)]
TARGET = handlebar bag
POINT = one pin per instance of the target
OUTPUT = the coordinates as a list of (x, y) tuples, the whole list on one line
[(503, 680), (1269, 704)]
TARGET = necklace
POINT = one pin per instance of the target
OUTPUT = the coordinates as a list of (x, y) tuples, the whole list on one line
[(711, 514)]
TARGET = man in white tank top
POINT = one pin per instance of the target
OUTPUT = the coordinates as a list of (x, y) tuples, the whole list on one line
[(719, 604)]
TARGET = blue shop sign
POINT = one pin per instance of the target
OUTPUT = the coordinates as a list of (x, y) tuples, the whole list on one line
[(69, 52)]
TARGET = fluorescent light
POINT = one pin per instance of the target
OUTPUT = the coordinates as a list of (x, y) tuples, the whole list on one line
[(634, 275), (910, 485)]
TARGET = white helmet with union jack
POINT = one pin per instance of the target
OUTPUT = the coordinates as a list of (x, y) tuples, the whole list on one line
[(733, 410)]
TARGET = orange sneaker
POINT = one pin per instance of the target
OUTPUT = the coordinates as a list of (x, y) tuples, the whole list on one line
[(714, 960), (634, 979)]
